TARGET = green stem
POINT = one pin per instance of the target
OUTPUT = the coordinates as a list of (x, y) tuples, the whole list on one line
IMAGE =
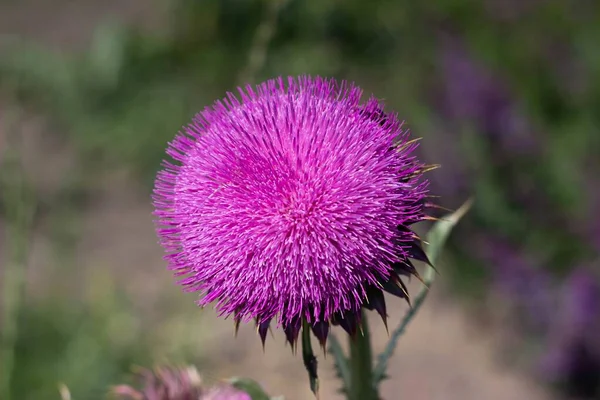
[(310, 361), (361, 365)]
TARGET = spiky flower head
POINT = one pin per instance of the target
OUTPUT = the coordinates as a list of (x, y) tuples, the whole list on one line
[(171, 383), (292, 203), (163, 383)]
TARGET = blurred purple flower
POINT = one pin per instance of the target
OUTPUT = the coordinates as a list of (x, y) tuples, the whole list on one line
[(164, 383), (573, 346), (581, 303), (518, 276), (168, 383), (472, 93), (293, 204)]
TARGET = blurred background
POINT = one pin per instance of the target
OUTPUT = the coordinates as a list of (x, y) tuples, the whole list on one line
[(505, 93)]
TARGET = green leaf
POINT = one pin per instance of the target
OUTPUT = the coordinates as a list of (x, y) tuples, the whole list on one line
[(249, 386), (340, 362), (439, 233), (436, 237)]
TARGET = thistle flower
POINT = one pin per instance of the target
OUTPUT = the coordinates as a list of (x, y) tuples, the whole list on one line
[(168, 383), (291, 205), (164, 383)]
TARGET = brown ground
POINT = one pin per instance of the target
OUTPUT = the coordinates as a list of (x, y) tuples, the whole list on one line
[(442, 356)]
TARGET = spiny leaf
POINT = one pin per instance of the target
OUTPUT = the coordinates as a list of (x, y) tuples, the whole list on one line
[(340, 362), (436, 237), (439, 233)]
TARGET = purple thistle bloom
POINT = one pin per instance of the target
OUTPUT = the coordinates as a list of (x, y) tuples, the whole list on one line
[(293, 204), (163, 383)]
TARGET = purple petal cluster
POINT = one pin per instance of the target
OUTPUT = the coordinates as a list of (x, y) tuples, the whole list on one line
[(170, 383), (292, 203), (163, 383)]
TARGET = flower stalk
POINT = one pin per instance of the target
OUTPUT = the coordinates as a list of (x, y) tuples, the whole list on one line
[(361, 365), (310, 361)]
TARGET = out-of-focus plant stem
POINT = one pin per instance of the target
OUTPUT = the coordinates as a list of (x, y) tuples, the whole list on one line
[(257, 55), (361, 365), (19, 206)]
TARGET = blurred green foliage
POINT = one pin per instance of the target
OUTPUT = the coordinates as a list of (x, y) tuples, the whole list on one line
[(87, 345), (122, 100)]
